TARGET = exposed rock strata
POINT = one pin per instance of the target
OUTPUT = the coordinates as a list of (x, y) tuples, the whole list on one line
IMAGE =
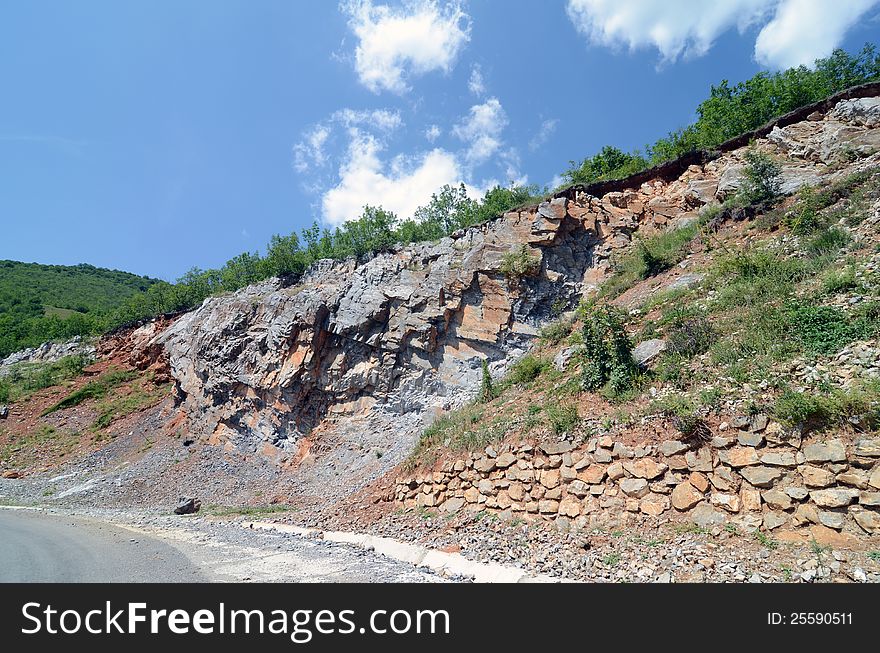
[(349, 363)]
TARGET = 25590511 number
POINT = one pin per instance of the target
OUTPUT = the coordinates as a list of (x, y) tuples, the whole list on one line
[(810, 618)]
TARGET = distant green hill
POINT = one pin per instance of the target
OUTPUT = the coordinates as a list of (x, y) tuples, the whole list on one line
[(32, 293)]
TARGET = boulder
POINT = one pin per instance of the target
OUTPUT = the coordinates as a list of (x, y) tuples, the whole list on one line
[(869, 448), (647, 351), (187, 506), (453, 505), (672, 447), (730, 502), (570, 507), (816, 476), (779, 459), (868, 520), (654, 504), (774, 520), (835, 520), (592, 474), (864, 112), (645, 468), (563, 357)]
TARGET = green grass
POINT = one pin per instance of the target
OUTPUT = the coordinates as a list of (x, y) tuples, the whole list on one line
[(247, 511), (611, 559), (555, 332), (562, 418), (827, 242), (823, 409), (96, 389), (753, 278), (526, 369), (25, 449), (26, 378), (825, 330), (459, 430), (690, 528), (765, 540), (649, 257), (520, 263), (809, 214), (141, 396), (839, 280)]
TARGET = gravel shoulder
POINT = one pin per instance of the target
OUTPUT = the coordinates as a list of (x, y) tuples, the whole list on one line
[(92, 545)]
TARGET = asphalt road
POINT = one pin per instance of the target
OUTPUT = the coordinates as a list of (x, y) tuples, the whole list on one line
[(39, 547)]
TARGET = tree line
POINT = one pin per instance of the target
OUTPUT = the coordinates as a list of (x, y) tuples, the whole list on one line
[(732, 110)]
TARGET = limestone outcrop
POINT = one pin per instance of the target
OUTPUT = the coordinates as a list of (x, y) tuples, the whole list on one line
[(342, 369)]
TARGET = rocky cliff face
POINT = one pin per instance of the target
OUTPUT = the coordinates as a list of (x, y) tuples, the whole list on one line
[(338, 373)]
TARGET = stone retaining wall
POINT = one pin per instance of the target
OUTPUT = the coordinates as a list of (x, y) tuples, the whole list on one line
[(752, 472)]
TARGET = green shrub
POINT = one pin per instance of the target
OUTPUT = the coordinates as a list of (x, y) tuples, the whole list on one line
[(519, 264), (836, 281), (650, 256), (753, 278), (26, 378), (673, 405), (562, 418), (805, 217), (607, 353), (819, 410), (762, 179), (690, 337), (526, 369), (609, 163), (796, 408), (827, 329), (556, 332), (828, 241), (671, 369), (487, 391)]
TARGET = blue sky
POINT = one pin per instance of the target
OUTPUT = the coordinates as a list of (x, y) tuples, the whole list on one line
[(158, 136)]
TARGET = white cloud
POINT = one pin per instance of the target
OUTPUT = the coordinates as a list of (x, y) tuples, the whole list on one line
[(401, 186), (674, 27), (804, 30), (432, 133), (394, 44), (382, 119), (481, 129), (544, 133), (798, 31), (309, 152), (476, 84), (512, 174)]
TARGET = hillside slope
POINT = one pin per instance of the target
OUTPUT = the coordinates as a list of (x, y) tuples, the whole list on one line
[(80, 288), (684, 351), (32, 291)]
